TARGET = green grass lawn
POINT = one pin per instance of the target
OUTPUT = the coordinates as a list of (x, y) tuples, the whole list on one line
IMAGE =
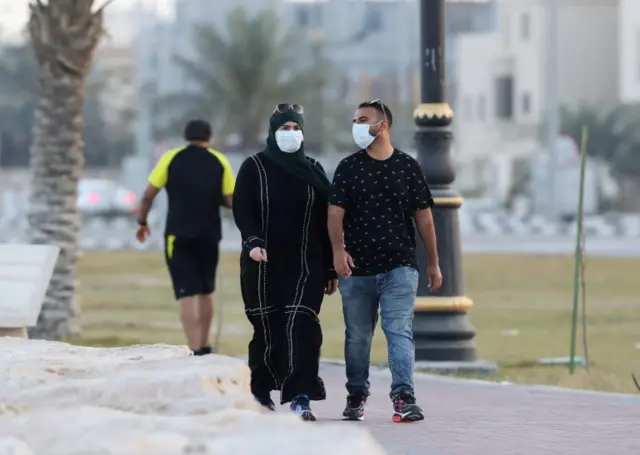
[(522, 313)]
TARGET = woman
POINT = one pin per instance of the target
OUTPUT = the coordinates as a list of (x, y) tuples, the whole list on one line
[(286, 266)]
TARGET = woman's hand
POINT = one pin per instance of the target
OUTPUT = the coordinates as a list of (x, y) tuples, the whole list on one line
[(258, 254), (331, 287)]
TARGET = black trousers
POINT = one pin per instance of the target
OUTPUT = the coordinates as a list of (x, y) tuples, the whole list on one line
[(284, 352)]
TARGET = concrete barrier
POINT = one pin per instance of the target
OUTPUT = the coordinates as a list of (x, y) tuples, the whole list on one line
[(25, 272)]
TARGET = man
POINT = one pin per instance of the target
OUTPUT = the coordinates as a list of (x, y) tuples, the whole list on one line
[(378, 193), (198, 181)]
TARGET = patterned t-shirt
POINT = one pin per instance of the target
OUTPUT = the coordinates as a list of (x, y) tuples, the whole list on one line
[(380, 199)]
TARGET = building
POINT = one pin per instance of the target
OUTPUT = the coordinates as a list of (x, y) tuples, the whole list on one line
[(502, 92), (629, 39), (375, 43), (114, 69)]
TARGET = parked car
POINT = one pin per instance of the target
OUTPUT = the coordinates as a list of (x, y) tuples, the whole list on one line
[(101, 198)]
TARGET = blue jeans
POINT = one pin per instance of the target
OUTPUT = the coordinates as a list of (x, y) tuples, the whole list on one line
[(394, 293)]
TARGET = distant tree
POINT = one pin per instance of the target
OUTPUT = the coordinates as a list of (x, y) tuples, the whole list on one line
[(18, 87), (614, 137), (240, 76), (19, 91)]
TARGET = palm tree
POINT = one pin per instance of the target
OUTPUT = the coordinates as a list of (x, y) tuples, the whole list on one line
[(614, 137), (64, 35), (238, 77)]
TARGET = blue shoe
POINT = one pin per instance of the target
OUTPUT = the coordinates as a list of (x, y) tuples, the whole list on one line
[(300, 405), (267, 402)]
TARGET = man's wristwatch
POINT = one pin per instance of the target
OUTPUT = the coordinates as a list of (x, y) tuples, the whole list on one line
[(142, 223)]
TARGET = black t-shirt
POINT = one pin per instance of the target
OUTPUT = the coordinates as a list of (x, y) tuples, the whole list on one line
[(380, 199), (196, 179)]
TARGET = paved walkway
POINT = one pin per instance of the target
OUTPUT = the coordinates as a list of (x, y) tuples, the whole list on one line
[(482, 418)]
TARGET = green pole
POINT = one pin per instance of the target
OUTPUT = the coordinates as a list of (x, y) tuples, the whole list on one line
[(577, 258)]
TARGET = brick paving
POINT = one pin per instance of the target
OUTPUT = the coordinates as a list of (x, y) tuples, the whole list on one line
[(483, 418)]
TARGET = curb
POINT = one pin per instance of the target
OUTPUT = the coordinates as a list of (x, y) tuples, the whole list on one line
[(380, 370)]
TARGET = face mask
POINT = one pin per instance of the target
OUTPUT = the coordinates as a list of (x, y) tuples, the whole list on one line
[(289, 141), (361, 135)]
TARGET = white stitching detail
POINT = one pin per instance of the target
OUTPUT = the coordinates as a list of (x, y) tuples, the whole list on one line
[(262, 311), (304, 273)]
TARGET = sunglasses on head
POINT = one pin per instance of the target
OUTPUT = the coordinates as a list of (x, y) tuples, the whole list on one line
[(285, 107), (378, 101)]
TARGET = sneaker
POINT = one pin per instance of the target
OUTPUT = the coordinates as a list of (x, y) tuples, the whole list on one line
[(405, 408), (355, 407), (205, 350), (300, 406), (267, 402)]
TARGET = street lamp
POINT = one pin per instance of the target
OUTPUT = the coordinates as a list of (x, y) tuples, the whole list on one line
[(441, 329)]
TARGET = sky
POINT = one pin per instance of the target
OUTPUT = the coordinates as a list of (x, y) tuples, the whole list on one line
[(14, 13)]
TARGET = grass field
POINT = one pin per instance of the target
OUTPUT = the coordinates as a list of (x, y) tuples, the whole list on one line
[(522, 313)]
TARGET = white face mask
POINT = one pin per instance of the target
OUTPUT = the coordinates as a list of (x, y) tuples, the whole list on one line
[(289, 141), (361, 135)]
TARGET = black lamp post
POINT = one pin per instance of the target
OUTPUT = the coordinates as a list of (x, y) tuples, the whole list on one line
[(441, 329)]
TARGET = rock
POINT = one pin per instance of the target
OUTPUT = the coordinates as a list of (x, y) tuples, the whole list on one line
[(59, 399), (13, 446)]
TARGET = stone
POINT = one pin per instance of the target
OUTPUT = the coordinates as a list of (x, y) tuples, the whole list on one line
[(478, 367), (57, 398), (25, 272)]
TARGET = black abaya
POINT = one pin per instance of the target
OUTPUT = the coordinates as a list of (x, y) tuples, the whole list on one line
[(282, 297)]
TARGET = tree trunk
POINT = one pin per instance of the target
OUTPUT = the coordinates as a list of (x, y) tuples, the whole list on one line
[(64, 35)]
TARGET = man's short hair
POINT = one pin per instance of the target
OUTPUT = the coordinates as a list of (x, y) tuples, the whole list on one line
[(384, 113), (197, 131)]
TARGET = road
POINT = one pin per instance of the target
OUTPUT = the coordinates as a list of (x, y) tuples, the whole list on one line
[(550, 245), (485, 418), (120, 235)]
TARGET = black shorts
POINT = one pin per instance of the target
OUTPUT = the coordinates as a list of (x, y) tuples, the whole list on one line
[(192, 264)]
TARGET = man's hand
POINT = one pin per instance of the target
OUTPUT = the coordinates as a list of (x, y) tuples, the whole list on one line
[(142, 233), (258, 254), (342, 263), (434, 278), (331, 287)]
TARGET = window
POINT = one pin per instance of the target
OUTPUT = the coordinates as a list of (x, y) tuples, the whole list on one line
[(506, 31), (373, 17), (525, 26), (504, 97), (302, 16), (526, 103), (482, 108)]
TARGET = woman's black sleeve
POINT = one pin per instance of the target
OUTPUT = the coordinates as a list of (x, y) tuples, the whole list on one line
[(327, 250), (246, 206)]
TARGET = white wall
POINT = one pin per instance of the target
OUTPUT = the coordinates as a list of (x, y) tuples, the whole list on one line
[(588, 72), (629, 38), (589, 52)]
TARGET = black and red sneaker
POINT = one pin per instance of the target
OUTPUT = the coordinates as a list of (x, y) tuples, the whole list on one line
[(405, 408), (354, 410)]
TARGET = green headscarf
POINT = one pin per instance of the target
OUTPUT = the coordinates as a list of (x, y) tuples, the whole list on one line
[(295, 164)]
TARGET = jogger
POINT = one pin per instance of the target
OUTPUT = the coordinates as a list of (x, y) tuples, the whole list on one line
[(198, 180)]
